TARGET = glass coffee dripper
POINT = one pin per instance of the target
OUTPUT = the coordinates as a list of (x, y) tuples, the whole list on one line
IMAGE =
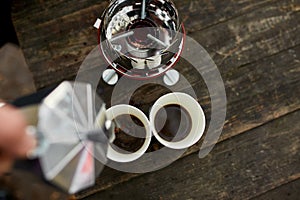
[(140, 39)]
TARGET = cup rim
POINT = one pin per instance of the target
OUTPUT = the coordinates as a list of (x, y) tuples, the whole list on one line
[(122, 109), (194, 110)]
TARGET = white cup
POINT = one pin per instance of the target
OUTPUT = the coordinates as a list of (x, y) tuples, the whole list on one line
[(192, 108), (123, 109)]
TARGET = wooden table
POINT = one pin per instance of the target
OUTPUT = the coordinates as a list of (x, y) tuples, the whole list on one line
[(255, 44)]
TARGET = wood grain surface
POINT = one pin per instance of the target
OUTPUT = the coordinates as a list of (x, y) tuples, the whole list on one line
[(286, 191), (256, 46), (253, 163)]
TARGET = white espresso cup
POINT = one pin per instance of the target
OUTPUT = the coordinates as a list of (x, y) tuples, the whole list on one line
[(118, 110), (193, 116)]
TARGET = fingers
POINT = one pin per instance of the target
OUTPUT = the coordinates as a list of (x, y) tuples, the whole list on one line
[(13, 137), (24, 145)]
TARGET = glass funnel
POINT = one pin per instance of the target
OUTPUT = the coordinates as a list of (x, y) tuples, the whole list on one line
[(138, 38)]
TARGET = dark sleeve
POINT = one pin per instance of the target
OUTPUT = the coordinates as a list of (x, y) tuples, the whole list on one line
[(35, 98), (7, 30)]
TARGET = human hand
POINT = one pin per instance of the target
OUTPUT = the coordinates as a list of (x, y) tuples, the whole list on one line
[(14, 141)]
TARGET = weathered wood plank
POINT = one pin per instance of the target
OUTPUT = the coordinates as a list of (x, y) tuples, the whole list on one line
[(267, 92), (195, 14), (235, 37), (55, 48), (25, 186), (198, 15), (287, 191), (257, 93), (48, 11), (253, 36), (243, 167)]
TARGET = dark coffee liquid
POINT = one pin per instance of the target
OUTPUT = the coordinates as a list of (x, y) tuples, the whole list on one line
[(173, 123), (130, 134), (141, 28)]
